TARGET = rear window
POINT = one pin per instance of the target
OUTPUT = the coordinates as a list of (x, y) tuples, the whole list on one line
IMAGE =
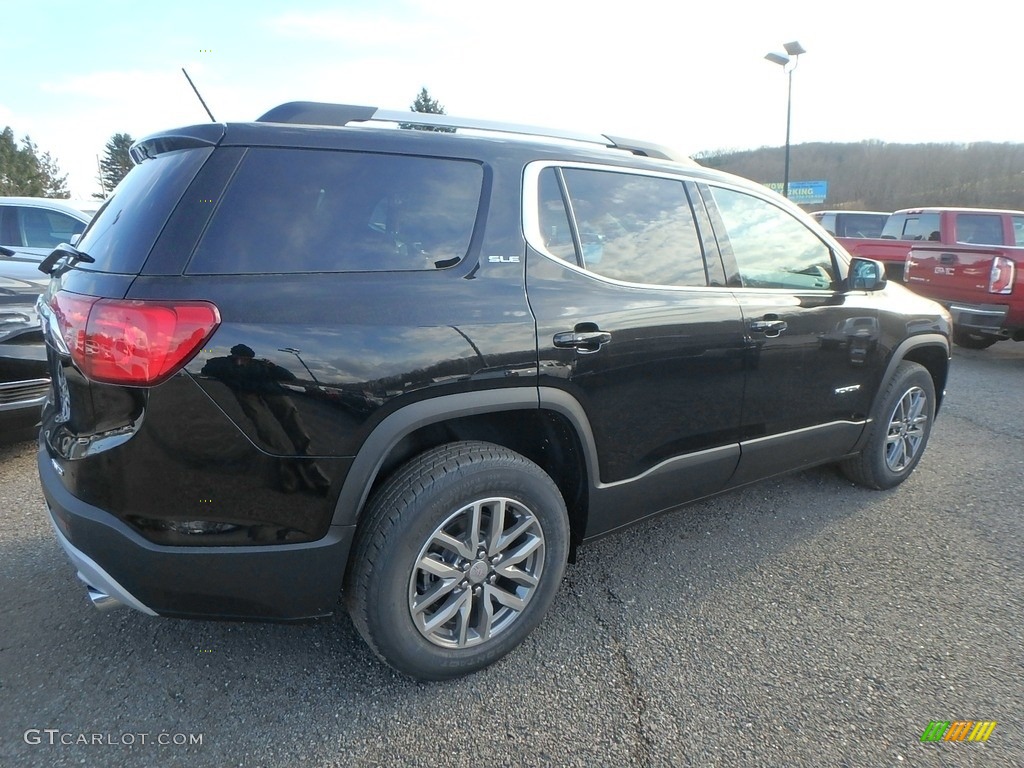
[(295, 210), (914, 226), (122, 233), (979, 228)]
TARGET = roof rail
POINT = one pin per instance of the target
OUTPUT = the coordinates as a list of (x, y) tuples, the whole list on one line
[(319, 113)]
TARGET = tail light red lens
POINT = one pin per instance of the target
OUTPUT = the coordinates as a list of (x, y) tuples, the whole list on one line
[(1000, 279), (132, 342)]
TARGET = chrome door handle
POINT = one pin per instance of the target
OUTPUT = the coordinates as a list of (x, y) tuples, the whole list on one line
[(770, 328), (583, 341)]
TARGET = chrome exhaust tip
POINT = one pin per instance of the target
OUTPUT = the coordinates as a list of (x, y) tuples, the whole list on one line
[(103, 601)]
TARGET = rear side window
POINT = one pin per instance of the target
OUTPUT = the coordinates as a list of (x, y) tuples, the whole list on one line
[(629, 227), (294, 210), (122, 233)]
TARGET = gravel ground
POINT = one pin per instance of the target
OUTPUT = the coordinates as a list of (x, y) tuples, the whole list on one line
[(800, 622)]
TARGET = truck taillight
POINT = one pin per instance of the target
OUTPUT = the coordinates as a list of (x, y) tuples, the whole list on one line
[(1000, 279), (132, 342)]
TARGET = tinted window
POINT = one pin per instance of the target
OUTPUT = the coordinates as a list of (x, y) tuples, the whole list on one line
[(828, 221), (772, 248), (860, 224), (10, 233), (554, 221), (979, 228), (1018, 230), (917, 226), (24, 226), (292, 210), (122, 233), (634, 228), (47, 229)]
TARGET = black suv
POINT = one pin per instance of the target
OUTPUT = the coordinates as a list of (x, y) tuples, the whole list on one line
[(321, 355)]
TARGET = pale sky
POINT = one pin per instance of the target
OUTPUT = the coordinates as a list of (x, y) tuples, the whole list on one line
[(688, 75)]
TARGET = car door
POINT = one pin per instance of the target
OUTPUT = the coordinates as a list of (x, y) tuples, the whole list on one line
[(813, 353), (638, 330)]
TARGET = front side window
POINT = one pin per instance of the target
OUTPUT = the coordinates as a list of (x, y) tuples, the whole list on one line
[(772, 249), (295, 210), (629, 227)]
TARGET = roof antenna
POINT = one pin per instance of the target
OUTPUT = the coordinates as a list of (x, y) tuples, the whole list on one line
[(212, 118)]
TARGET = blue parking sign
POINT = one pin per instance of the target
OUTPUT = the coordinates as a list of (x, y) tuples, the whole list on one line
[(803, 192)]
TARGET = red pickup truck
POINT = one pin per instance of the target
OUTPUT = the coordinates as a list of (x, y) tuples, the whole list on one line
[(982, 286), (970, 259), (950, 226)]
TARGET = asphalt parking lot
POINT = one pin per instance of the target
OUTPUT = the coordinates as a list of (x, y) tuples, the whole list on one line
[(800, 622)]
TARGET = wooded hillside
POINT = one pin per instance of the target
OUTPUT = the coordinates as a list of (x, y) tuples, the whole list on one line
[(873, 175)]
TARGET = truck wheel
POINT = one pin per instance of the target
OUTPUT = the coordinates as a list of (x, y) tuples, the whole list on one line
[(457, 560), (898, 432), (970, 340)]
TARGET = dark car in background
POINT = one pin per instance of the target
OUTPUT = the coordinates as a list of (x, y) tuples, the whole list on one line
[(307, 358), (24, 377), (30, 228), (852, 223)]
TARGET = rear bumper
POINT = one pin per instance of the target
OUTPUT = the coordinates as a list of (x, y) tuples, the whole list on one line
[(27, 395), (99, 583), (24, 385), (21, 403), (274, 582), (983, 318)]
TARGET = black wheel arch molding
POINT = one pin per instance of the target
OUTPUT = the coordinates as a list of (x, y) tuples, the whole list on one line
[(369, 462), (375, 449), (932, 350)]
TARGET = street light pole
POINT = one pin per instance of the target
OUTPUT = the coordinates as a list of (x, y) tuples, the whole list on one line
[(788, 64)]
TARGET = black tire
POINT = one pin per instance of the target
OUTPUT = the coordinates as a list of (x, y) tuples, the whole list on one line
[(898, 433), (406, 574), (971, 340)]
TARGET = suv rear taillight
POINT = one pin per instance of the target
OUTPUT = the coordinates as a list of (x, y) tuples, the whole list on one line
[(132, 342), (1000, 279)]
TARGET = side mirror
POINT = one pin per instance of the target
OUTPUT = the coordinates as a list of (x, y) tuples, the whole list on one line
[(866, 275)]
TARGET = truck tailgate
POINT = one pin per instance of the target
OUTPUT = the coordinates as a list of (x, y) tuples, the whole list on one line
[(952, 272), (979, 284)]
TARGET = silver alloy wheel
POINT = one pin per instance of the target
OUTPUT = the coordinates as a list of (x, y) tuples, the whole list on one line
[(907, 429), (476, 573)]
